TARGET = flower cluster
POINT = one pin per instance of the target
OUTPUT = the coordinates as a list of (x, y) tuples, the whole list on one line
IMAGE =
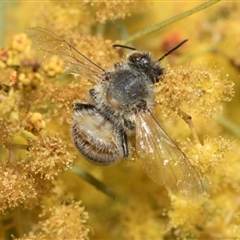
[(17, 186), (30, 159), (22, 61), (35, 122), (112, 10), (74, 228), (196, 90), (62, 221), (48, 157), (53, 66), (17, 53), (36, 96), (28, 80)]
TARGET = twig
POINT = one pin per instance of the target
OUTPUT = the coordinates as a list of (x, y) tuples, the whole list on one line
[(93, 181), (169, 21), (231, 126), (188, 119)]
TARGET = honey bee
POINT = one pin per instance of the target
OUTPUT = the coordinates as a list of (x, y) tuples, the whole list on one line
[(122, 104)]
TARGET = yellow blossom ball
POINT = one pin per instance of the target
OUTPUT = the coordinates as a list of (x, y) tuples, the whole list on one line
[(53, 66), (35, 121), (25, 79), (20, 42)]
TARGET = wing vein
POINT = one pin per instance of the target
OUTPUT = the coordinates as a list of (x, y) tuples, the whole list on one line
[(162, 160)]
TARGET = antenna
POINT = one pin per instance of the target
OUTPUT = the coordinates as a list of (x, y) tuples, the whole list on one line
[(123, 46), (172, 50)]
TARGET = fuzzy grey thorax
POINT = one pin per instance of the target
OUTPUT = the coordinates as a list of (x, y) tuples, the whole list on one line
[(126, 91)]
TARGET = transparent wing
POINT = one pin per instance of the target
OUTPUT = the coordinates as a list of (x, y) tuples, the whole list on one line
[(48, 43), (162, 159)]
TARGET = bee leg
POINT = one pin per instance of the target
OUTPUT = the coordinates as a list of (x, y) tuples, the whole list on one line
[(124, 140), (77, 106), (188, 119), (92, 93)]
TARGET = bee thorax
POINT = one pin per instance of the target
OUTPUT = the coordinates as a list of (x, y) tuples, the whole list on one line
[(116, 104)]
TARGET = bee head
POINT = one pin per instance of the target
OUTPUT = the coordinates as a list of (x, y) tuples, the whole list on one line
[(145, 63)]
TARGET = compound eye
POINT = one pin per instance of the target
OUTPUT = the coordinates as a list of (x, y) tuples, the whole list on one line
[(144, 61), (135, 57)]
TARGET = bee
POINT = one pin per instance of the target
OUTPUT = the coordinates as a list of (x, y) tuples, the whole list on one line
[(122, 101)]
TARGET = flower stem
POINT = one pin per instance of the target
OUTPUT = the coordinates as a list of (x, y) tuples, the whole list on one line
[(169, 21), (92, 180), (231, 126)]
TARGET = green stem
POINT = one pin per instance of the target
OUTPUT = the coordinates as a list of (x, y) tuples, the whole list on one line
[(232, 127), (92, 180), (169, 21)]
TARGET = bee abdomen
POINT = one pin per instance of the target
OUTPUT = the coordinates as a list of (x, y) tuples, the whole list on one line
[(96, 137)]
